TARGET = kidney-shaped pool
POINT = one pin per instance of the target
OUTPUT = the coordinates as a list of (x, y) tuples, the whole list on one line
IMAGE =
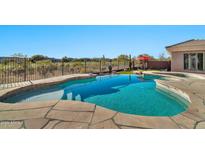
[(124, 93)]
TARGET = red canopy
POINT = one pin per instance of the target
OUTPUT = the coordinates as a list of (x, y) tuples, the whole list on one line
[(144, 58)]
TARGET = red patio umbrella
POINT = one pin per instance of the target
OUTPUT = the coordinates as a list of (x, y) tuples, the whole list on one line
[(144, 58)]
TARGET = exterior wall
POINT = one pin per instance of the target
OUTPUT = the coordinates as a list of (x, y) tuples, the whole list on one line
[(177, 61), (158, 65)]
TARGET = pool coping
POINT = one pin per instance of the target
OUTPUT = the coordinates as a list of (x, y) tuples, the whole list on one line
[(34, 84), (77, 114)]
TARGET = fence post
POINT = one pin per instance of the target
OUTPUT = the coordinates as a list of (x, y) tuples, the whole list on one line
[(5, 76), (130, 62), (62, 67), (24, 69), (133, 64), (100, 66), (8, 70), (85, 67), (118, 67)]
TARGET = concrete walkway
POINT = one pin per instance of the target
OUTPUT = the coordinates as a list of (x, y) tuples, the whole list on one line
[(74, 114)]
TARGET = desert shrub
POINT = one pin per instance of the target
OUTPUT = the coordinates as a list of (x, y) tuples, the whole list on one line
[(66, 68), (93, 66), (77, 67), (1, 68), (46, 67)]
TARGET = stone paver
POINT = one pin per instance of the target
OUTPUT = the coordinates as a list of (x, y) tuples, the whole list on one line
[(70, 116), (27, 105), (183, 121), (51, 124), (201, 125), (74, 106), (23, 114), (194, 98), (126, 127), (197, 108), (108, 124), (35, 123), (144, 122), (199, 87), (71, 125), (192, 116), (102, 114), (11, 124), (199, 115)]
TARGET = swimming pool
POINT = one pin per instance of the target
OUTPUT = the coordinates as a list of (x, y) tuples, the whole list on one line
[(124, 93)]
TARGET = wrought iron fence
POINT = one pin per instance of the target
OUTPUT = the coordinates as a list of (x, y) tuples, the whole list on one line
[(14, 70)]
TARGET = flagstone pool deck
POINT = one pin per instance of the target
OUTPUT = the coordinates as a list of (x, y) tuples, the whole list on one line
[(60, 114)]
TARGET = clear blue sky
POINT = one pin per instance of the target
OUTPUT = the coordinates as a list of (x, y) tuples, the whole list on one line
[(93, 41)]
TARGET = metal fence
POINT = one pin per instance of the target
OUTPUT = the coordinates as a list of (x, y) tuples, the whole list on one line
[(14, 70)]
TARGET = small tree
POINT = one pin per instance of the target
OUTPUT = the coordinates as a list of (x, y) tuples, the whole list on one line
[(163, 57), (38, 57), (123, 57), (65, 59)]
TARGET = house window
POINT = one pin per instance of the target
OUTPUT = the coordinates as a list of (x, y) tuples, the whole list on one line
[(200, 61), (186, 61)]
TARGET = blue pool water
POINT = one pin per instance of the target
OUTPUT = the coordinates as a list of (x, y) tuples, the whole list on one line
[(124, 93)]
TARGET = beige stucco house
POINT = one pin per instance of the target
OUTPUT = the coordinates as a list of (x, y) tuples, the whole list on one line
[(188, 56)]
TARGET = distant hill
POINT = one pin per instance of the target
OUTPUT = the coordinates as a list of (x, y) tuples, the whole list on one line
[(55, 59)]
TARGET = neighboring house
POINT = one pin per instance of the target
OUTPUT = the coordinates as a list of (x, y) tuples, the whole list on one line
[(188, 56)]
